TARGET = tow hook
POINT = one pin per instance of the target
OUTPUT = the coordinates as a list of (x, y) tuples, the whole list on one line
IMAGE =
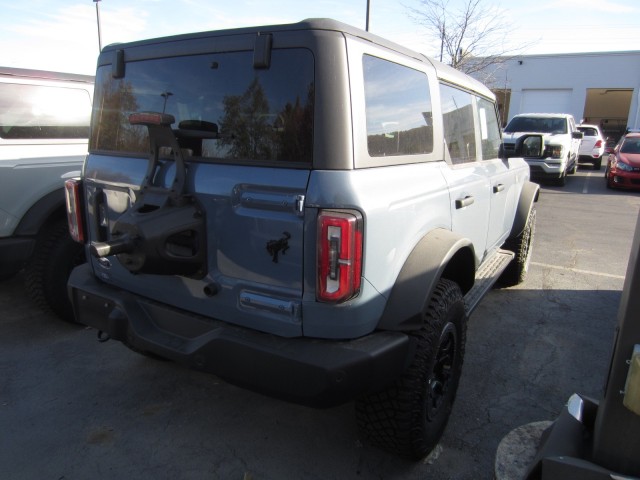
[(103, 336)]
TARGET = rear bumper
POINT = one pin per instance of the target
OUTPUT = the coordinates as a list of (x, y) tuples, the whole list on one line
[(589, 158), (314, 372)]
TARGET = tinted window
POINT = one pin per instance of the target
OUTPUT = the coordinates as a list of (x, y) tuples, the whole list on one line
[(537, 125), (40, 112), (588, 131), (458, 122), (398, 109), (224, 109), (630, 145)]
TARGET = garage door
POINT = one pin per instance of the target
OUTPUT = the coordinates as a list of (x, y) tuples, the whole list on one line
[(546, 101)]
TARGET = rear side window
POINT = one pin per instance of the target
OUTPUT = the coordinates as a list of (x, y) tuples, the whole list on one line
[(43, 112), (224, 109), (398, 109)]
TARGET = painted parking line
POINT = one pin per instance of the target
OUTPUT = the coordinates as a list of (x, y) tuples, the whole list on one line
[(585, 189), (577, 270)]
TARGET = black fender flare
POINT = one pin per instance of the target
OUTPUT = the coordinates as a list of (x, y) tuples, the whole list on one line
[(528, 196), (439, 254)]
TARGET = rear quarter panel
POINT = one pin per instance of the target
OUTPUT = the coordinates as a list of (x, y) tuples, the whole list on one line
[(28, 172), (400, 205)]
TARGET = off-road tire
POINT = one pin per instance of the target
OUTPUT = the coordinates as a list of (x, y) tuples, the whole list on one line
[(516, 271), (48, 270), (409, 417)]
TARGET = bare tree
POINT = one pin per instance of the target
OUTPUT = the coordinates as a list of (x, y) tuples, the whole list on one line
[(472, 37)]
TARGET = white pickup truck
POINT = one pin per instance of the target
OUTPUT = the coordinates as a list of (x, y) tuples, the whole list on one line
[(562, 143)]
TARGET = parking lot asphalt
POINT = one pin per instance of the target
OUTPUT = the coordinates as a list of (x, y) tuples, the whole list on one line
[(74, 408)]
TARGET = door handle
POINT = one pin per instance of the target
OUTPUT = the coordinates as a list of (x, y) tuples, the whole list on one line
[(498, 188), (464, 202)]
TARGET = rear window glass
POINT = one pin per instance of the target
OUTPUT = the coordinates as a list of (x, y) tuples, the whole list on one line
[(398, 109), (224, 109), (588, 131), (42, 112)]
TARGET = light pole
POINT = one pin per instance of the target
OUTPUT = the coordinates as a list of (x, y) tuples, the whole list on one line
[(97, 2), (166, 96), (367, 23), (442, 32)]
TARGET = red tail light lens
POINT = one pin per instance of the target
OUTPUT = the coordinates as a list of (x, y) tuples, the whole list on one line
[(598, 144), (339, 255), (73, 194)]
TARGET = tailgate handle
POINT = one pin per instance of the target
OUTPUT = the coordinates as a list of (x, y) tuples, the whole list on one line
[(464, 202)]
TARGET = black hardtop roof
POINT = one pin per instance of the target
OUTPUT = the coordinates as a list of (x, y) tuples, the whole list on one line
[(45, 74), (445, 72), (307, 24)]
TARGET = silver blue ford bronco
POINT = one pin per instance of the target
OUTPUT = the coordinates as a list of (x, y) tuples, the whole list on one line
[(306, 210)]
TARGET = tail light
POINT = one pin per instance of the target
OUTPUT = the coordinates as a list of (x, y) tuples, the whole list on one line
[(598, 144), (339, 255), (73, 194)]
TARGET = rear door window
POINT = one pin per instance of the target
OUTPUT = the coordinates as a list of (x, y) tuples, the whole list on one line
[(490, 136), (224, 109), (459, 124)]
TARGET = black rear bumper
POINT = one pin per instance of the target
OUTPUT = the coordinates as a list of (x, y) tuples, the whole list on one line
[(313, 372)]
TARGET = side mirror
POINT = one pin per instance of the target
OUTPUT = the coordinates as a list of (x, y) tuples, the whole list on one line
[(529, 146), (577, 135)]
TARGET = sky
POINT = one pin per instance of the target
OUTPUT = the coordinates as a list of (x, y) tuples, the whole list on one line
[(63, 35)]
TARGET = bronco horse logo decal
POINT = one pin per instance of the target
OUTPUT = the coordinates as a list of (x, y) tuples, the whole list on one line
[(274, 247)]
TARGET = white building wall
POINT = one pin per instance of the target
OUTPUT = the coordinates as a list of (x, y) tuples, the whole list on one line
[(576, 72)]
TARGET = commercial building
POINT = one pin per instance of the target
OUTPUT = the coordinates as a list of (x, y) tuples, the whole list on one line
[(598, 88)]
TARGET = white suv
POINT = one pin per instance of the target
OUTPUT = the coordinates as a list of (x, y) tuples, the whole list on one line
[(44, 129), (592, 145)]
